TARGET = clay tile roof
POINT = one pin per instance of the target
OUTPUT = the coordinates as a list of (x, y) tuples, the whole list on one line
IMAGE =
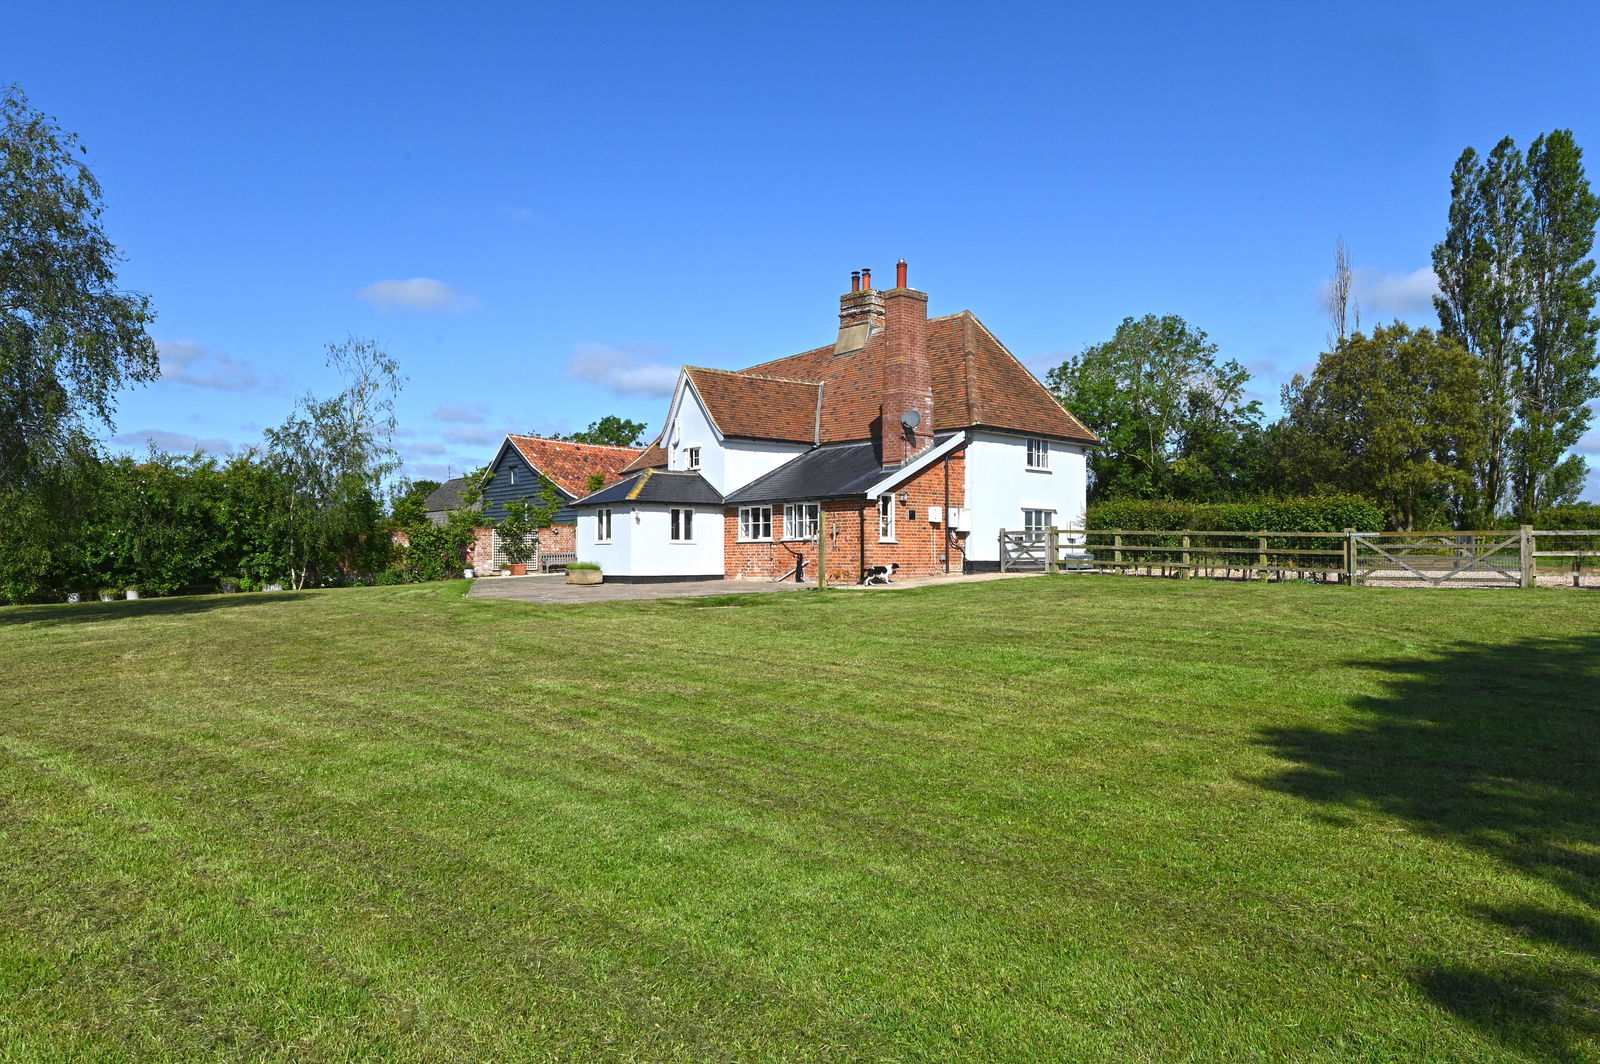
[(569, 465), (653, 457), (976, 382), (758, 406)]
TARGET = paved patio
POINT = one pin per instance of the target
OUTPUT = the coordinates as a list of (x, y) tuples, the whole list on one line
[(553, 587)]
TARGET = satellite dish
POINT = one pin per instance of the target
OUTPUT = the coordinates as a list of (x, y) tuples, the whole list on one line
[(911, 418)]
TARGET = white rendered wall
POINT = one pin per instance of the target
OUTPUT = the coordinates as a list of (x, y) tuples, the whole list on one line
[(727, 464), (612, 557), (1000, 486), (692, 428), (652, 552)]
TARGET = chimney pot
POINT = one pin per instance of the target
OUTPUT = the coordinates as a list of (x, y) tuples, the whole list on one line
[(855, 280), (900, 274), (866, 278)]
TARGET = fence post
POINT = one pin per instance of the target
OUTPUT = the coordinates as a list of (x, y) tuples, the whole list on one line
[(1116, 553), (1002, 550), (1530, 574), (1350, 557), (822, 549), (1261, 556), (1188, 570), (1052, 546)]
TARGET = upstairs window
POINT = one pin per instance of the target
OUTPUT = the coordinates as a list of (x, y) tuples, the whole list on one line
[(692, 456), (682, 526), (602, 526), (1038, 453), (1037, 520), (885, 518), (755, 522), (513, 471), (800, 520)]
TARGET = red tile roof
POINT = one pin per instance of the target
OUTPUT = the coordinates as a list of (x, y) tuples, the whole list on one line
[(758, 406), (976, 383), (653, 457), (569, 464)]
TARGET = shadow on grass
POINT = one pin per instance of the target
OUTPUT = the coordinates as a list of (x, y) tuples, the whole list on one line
[(50, 616), (1496, 748)]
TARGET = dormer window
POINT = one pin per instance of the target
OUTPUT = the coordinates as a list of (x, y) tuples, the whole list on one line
[(1038, 453), (693, 458)]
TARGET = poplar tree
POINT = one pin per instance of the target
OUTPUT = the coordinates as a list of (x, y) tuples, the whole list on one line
[(1483, 301), (1558, 374)]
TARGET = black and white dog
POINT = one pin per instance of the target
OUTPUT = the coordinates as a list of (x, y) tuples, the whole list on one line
[(880, 574)]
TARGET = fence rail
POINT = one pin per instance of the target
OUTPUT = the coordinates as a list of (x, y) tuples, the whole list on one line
[(1511, 557)]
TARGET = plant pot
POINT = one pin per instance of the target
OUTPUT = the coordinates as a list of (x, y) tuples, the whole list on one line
[(467, 574), (519, 568), (133, 593), (585, 576), (108, 596), (73, 598), (230, 587)]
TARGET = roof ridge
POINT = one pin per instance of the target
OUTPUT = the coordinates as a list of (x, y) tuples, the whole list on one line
[(577, 443), (754, 376), (643, 476)]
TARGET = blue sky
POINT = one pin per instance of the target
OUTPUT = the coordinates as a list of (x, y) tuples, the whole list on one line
[(542, 210)]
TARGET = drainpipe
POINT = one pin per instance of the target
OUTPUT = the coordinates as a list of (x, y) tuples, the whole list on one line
[(861, 540), (947, 514)]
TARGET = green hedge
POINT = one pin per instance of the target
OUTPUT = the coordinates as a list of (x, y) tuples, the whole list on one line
[(1322, 513)]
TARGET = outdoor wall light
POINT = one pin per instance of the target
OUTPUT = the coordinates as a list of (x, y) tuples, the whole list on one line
[(905, 497)]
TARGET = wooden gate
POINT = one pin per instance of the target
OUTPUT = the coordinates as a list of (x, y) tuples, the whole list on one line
[(1443, 557), (1023, 552)]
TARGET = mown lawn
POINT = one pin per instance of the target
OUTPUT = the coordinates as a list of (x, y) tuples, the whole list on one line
[(1060, 819)]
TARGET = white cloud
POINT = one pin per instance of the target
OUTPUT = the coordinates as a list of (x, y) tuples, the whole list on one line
[(429, 447), (467, 413), (186, 362), (430, 471), (472, 435), (174, 442), (417, 293), (1382, 294), (621, 373)]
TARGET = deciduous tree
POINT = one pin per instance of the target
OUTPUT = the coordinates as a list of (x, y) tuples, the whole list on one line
[(1395, 416), (1171, 415), (613, 430)]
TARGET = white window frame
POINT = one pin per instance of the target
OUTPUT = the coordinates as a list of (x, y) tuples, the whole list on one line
[(602, 525), (1031, 519), (1039, 454), (691, 458), (801, 520), (753, 520), (685, 515), (513, 471), (886, 518)]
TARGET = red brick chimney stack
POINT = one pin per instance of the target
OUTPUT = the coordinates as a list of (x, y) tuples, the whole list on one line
[(907, 411)]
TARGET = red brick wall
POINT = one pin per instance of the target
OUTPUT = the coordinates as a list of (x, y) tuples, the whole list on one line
[(918, 546), (557, 539)]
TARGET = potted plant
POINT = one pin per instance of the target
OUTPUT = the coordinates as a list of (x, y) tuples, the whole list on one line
[(467, 573), (74, 597), (108, 594), (133, 593), (519, 532), (584, 573)]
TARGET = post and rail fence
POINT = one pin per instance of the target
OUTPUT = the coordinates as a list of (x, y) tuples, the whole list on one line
[(1496, 557)]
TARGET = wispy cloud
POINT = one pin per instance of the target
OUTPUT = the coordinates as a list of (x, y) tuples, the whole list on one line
[(430, 447), (471, 434), (621, 373), (465, 413), (1383, 294), (430, 471), (174, 442), (417, 293), (186, 362)]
